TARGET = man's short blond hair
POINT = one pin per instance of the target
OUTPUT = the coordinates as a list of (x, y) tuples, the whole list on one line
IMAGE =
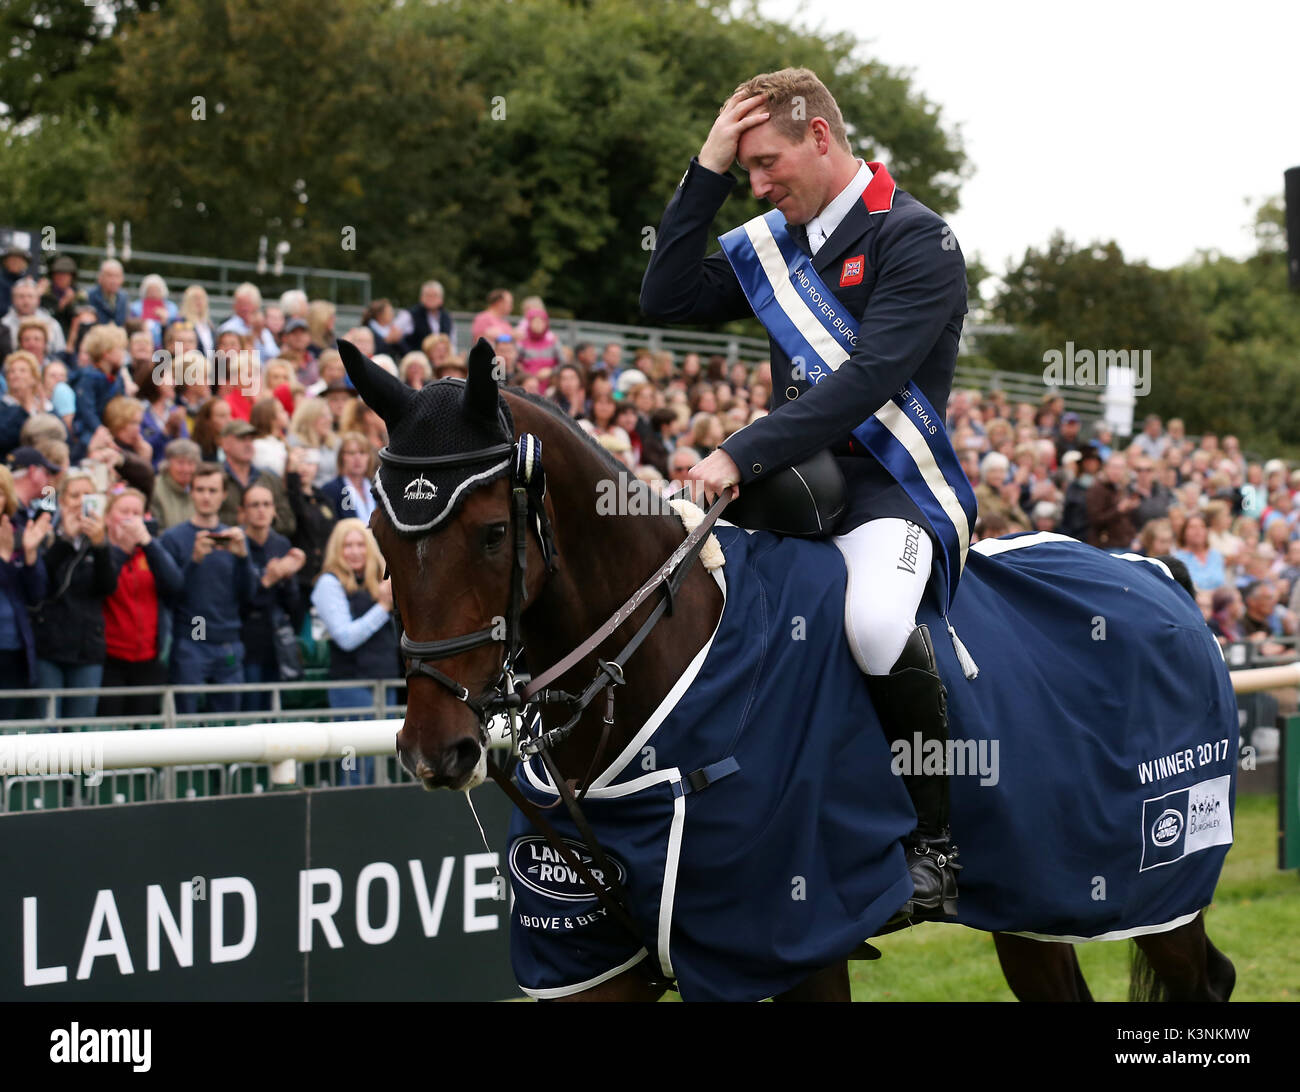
[(794, 97)]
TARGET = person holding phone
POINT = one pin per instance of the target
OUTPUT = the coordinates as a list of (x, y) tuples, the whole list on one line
[(218, 581), (69, 623), (136, 616)]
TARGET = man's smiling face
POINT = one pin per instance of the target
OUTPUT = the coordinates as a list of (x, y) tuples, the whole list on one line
[(791, 176)]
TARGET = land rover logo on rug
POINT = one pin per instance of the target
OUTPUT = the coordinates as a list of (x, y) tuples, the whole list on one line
[(1186, 821), (536, 864), (420, 489), (1167, 828)]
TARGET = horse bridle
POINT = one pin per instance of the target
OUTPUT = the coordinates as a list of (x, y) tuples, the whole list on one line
[(528, 493), (527, 498), (504, 695)]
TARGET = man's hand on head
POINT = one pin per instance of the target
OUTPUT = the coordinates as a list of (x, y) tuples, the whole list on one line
[(737, 115)]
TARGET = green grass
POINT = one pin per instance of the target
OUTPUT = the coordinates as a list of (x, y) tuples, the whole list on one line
[(1253, 921)]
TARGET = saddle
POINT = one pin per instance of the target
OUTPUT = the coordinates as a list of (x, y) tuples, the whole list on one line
[(805, 500)]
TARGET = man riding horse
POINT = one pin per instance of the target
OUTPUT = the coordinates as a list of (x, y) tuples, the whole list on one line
[(862, 290)]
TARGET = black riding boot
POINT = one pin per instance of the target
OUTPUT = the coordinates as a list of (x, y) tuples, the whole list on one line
[(912, 699)]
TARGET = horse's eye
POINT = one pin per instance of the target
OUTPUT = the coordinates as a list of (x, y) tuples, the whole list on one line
[(493, 535)]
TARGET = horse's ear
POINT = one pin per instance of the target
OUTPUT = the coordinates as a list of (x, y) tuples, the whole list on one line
[(481, 384), (383, 393)]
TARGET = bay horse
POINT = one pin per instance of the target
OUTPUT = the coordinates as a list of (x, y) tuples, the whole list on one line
[(460, 581)]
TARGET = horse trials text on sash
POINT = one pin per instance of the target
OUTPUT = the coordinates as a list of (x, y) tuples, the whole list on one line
[(801, 315)]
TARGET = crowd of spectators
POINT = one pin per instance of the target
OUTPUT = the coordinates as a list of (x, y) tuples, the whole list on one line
[(181, 489), (1231, 520)]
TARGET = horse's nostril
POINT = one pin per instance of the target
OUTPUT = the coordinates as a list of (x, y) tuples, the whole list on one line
[(461, 757)]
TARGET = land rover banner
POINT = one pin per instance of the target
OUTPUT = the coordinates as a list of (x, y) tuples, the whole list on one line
[(357, 894)]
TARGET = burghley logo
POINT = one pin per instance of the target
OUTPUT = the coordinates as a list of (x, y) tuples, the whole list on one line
[(1204, 814), (1167, 828), (420, 489), (539, 867)]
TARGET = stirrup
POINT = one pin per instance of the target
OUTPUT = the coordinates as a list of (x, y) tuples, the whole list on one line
[(913, 912)]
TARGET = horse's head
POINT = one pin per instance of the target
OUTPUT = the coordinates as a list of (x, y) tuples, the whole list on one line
[(445, 523)]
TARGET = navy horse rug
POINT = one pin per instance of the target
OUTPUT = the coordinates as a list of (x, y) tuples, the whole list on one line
[(755, 819)]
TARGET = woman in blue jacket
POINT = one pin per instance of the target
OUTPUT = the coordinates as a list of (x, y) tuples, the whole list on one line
[(356, 604)]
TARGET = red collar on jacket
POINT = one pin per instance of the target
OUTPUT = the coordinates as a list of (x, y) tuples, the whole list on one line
[(879, 194)]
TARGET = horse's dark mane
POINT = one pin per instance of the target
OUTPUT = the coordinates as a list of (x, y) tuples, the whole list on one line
[(615, 468), (552, 407)]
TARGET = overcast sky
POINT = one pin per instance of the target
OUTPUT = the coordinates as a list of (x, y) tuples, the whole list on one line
[(1147, 122)]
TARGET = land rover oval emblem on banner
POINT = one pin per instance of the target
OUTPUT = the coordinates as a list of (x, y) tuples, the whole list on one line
[(536, 864), (1167, 827)]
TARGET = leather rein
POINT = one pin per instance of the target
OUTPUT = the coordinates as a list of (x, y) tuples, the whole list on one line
[(515, 694)]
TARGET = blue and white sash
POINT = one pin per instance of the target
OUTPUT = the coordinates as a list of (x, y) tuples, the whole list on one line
[(907, 435)]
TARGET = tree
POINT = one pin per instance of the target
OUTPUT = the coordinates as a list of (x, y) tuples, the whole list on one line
[(326, 123), (1094, 298), (56, 175), (486, 143), (60, 55), (1253, 383), (1223, 333), (599, 108)]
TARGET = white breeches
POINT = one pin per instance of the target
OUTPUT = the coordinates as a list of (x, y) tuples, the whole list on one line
[(888, 561)]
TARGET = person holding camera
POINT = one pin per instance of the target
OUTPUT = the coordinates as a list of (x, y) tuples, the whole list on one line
[(218, 580), (33, 476), (136, 615), (69, 623)]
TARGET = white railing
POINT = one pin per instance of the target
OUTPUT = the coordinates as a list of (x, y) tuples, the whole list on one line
[(1266, 678), (281, 746)]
